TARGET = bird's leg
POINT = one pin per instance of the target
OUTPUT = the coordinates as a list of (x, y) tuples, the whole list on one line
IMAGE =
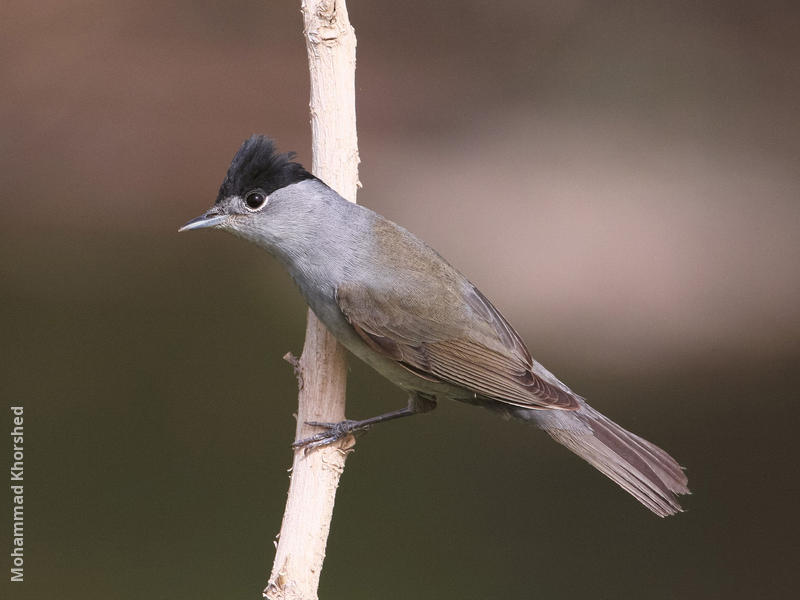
[(333, 432)]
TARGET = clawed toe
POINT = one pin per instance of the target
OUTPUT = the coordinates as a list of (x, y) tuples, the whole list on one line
[(332, 432)]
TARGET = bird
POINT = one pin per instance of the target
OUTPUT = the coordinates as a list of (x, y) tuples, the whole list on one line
[(398, 305)]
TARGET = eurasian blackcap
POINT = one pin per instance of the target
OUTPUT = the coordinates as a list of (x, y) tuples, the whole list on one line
[(399, 306)]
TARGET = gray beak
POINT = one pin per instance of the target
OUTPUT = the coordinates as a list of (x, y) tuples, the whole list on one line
[(211, 218)]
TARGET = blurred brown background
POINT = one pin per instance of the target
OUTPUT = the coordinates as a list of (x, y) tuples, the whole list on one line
[(621, 178)]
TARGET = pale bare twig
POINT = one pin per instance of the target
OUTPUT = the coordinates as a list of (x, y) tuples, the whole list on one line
[(321, 371)]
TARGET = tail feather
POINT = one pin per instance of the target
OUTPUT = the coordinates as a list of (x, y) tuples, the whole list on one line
[(642, 469)]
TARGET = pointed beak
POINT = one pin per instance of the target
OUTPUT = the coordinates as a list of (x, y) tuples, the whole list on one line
[(211, 218)]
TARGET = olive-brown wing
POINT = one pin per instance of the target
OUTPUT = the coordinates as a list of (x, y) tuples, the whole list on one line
[(475, 349)]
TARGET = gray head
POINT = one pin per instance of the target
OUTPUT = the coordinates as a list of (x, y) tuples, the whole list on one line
[(252, 200)]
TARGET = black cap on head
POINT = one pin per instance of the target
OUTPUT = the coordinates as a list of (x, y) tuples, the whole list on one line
[(257, 164)]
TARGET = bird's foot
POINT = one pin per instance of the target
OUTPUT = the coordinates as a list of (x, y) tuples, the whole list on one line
[(332, 432)]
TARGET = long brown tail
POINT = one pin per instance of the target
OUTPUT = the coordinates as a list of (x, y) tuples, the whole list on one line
[(642, 469)]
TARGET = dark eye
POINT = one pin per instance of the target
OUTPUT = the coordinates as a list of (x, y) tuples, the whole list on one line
[(255, 199)]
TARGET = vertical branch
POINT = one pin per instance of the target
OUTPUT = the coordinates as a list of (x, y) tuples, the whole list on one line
[(300, 551)]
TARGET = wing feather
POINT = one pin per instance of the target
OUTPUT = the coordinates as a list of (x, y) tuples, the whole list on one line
[(471, 346)]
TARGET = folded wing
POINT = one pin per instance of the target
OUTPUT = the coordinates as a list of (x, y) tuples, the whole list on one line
[(462, 340)]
